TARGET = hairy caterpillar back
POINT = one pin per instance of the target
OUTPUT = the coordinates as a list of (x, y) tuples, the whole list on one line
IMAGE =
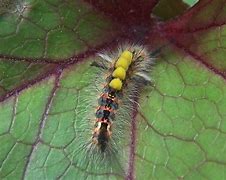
[(105, 134)]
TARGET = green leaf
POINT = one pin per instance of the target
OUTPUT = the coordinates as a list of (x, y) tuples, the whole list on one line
[(190, 2), (21, 118), (46, 48), (166, 11), (182, 123), (37, 35)]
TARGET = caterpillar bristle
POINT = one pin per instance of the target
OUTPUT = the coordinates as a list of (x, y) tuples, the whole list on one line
[(129, 65), (105, 134)]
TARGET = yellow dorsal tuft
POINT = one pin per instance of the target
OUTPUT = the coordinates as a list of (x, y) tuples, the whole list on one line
[(120, 73), (122, 62), (127, 55), (116, 84)]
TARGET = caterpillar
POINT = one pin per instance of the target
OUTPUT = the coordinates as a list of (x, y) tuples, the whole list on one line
[(116, 82), (121, 77)]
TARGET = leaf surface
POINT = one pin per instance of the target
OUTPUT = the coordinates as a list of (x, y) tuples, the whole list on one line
[(46, 48)]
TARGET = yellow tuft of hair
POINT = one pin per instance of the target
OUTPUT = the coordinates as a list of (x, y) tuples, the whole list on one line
[(122, 62), (116, 84), (120, 73), (127, 55)]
